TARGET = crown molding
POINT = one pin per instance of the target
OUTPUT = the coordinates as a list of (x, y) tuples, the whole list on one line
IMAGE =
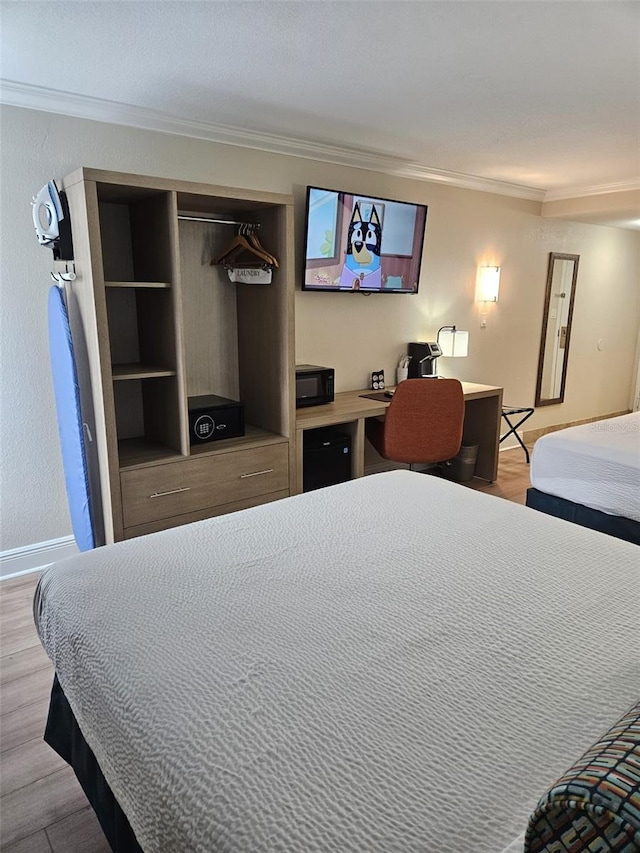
[(44, 99), (599, 189)]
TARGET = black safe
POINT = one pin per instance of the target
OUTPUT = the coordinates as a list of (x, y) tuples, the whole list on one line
[(212, 418)]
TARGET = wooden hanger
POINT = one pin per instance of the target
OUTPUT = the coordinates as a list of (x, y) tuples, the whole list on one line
[(253, 239), (240, 244)]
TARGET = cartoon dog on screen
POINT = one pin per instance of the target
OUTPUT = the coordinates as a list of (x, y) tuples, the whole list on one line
[(361, 270)]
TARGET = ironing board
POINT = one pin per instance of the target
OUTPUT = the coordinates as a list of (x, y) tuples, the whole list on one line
[(70, 424)]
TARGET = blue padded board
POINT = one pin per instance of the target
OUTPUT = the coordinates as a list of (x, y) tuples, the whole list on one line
[(67, 394)]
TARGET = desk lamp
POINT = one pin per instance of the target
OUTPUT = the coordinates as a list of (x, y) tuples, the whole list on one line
[(453, 342)]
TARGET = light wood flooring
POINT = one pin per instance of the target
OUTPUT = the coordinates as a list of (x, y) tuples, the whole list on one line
[(42, 807)]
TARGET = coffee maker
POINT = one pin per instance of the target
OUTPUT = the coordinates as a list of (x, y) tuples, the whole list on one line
[(423, 360)]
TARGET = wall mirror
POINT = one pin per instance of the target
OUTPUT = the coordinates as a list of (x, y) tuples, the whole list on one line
[(556, 328)]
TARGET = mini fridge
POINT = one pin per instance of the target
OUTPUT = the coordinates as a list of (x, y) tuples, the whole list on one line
[(326, 458)]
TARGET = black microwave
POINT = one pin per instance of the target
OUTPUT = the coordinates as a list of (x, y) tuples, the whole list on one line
[(314, 385)]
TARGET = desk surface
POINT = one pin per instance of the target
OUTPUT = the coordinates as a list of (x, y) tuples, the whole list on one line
[(349, 406), (483, 405)]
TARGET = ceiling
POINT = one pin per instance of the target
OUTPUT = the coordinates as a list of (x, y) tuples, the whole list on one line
[(541, 96)]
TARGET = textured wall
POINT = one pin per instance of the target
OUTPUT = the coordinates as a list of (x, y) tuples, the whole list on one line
[(353, 333)]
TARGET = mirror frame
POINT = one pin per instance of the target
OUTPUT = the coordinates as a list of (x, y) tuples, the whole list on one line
[(553, 257)]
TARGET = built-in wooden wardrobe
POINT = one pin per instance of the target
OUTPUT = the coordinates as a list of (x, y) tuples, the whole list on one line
[(154, 323)]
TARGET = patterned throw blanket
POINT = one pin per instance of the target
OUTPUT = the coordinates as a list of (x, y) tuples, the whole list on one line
[(595, 806)]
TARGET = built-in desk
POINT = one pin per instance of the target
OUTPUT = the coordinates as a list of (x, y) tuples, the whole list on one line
[(483, 406)]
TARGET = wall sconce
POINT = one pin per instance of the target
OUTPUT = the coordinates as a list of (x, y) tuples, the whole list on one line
[(454, 343), (487, 288), (487, 284)]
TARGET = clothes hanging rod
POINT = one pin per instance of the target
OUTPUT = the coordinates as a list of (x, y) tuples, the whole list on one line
[(218, 221)]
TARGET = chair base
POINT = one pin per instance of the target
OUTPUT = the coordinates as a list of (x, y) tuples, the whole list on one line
[(435, 469)]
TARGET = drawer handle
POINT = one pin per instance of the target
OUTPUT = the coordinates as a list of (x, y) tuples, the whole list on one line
[(256, 473), (171, 492)]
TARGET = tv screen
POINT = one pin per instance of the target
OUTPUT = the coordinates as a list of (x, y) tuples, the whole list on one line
[(357, 243)]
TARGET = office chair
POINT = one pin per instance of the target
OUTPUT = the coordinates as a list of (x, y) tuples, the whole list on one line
[(422, 424)]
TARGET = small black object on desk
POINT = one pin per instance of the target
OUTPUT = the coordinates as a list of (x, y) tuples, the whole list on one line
[(423, 359), (515, 410)]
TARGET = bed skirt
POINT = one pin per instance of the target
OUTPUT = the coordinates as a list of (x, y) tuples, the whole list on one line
[(614, 525), (63, 734)]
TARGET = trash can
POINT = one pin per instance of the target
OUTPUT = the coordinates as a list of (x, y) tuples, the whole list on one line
[(462, 466)]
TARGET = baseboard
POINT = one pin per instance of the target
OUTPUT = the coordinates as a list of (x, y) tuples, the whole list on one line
[(512, 443), (33, 558), (532, 435)]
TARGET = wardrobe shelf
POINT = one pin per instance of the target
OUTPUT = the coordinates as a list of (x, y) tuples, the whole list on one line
[(138, 371), (253, 437), (139, 284), (141, 452)]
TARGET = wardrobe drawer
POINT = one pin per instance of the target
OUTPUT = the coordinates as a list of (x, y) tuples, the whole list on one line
[(201, 514), (162, 491)]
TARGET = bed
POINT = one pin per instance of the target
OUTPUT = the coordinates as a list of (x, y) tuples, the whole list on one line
[(590, 475), (393, 664)]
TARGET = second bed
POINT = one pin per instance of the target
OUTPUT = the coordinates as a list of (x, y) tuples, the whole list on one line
[(590, 474)]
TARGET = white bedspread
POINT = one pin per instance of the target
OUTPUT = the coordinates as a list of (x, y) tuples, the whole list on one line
[(597, 465), (395, 664)]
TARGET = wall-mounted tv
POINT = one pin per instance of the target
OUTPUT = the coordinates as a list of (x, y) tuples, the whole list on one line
[(360, 244)]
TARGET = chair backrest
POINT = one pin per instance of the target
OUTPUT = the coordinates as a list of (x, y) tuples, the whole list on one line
[(424, 421)]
